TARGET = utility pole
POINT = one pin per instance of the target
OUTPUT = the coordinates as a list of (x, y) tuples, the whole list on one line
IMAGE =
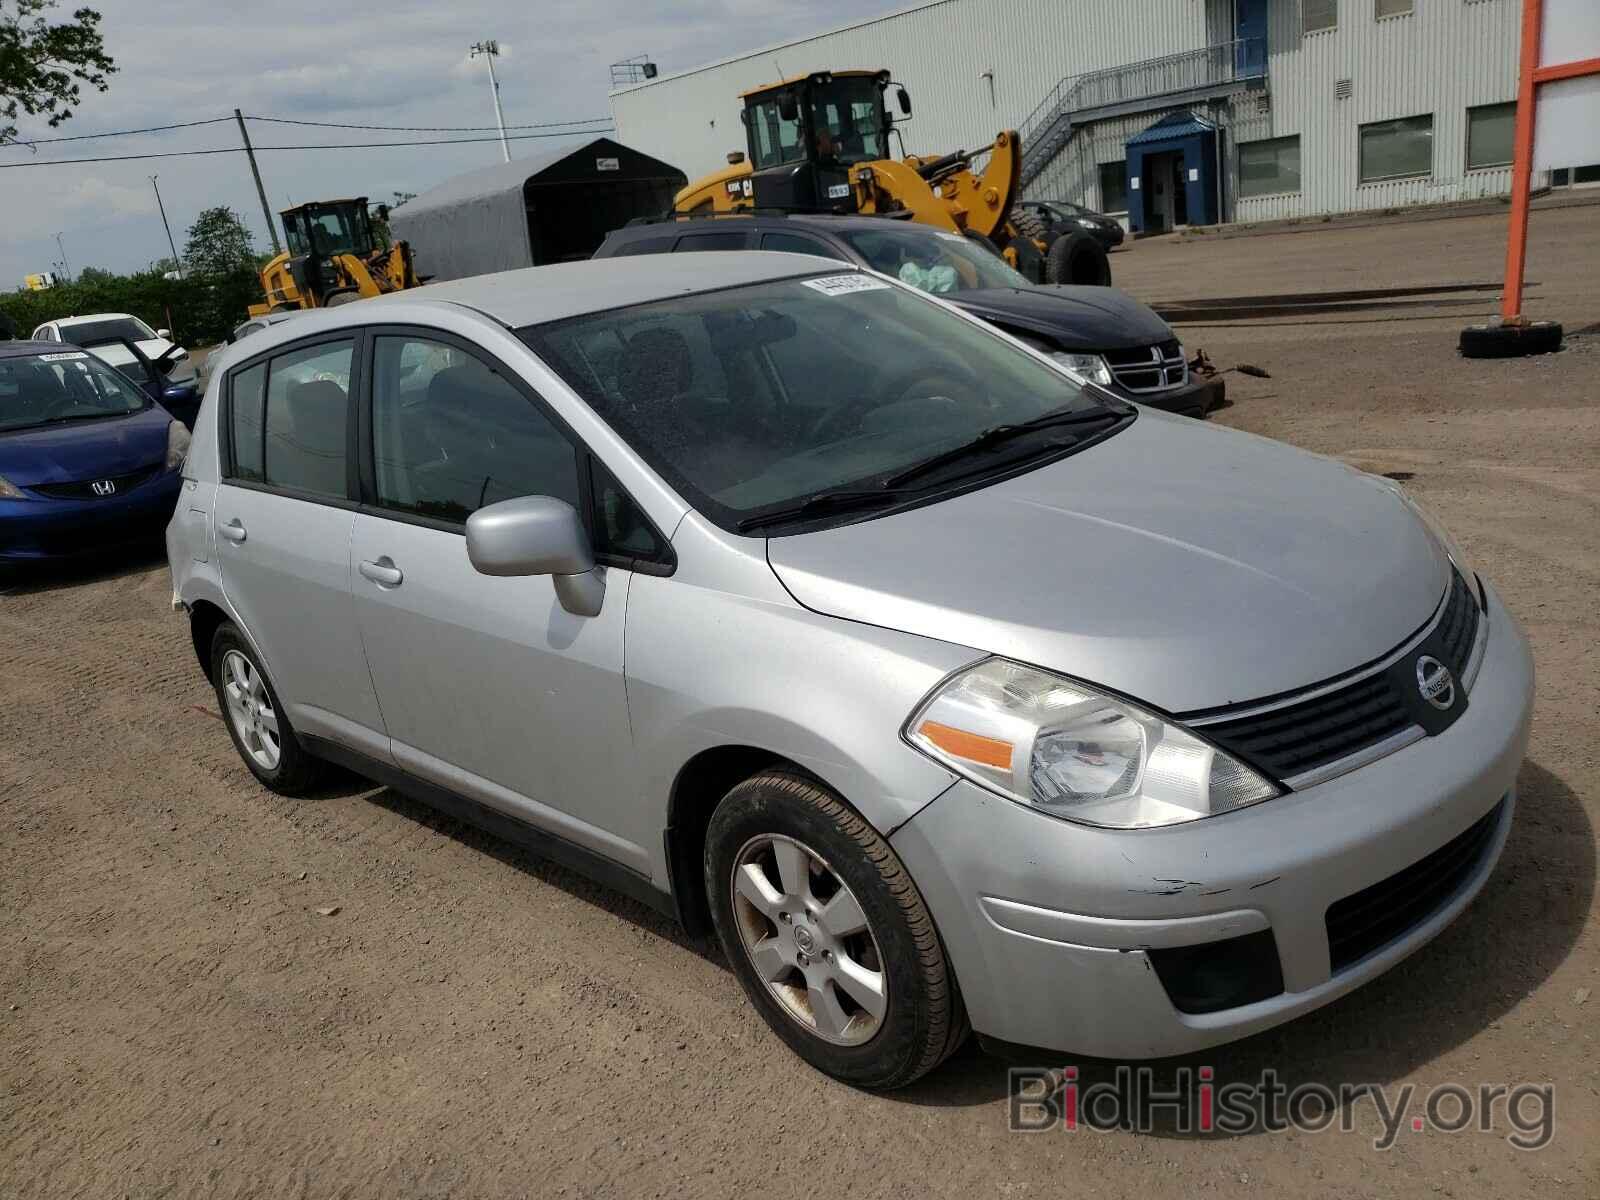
[(272, 230), (65, 270), (177, 262), (490, 49)]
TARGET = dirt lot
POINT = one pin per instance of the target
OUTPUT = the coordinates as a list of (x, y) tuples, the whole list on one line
[(176, 1017)]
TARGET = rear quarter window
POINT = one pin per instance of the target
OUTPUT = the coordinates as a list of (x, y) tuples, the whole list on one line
[(655, 245)]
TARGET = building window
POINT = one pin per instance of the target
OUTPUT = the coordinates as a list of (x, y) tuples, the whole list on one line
[(1392, 8), (1489, 135), (1114, 187), (1317, 15), (1270, 167), (1400, 149)]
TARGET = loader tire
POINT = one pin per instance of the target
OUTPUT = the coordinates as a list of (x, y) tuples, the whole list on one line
[(1077, 258), (338, 298), (1030, 236)]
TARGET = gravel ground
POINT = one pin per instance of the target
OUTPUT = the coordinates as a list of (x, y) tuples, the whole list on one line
[(178, 1018)]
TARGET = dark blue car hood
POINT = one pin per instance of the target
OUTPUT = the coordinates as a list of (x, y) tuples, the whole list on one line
[(84, 449), (1082, 319)]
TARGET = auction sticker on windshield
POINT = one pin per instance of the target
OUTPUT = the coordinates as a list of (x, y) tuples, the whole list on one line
[(840, 285), (65, 356)]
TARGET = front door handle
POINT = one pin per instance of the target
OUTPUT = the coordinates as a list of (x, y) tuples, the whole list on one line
[(233, 530), (382, 571)]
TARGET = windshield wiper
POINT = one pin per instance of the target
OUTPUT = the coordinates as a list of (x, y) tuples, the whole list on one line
[(94, 416), (998, 435), (820, 503)]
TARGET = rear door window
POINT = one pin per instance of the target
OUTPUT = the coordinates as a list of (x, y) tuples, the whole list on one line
[(794, 243), (308, 415), (714, 241)]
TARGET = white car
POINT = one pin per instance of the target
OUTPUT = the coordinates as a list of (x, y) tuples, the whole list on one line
[(153, 342)]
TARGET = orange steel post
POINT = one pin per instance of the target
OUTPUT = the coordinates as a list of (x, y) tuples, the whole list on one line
[(1522, 161)]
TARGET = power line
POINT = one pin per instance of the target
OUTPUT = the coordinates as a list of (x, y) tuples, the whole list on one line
[(429, 128), (516, 137), (84, 137)]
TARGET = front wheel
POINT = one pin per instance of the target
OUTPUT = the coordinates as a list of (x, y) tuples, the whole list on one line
[(828, 934)]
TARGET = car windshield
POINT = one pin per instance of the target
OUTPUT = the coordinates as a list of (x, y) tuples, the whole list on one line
[(754, 399), (45, 389), (933, 260), (131, 328)]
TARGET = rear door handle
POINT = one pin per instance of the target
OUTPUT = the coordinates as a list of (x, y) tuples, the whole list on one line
[(382, 571), (233, 530)]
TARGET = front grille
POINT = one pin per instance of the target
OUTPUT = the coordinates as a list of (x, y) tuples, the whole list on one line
[(1459, 625), (1157, 368), (1301, 736), (83, 489), (1375, 916)]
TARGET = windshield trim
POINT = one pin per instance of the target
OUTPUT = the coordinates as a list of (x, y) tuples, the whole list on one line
[(535, 337)]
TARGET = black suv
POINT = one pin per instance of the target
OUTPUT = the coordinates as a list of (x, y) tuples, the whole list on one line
[(1102, 334)]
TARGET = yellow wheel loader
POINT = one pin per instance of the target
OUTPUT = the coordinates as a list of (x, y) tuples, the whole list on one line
[(820, 143), (334, 257)]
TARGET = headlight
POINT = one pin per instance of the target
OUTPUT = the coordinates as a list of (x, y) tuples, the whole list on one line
[(1091, 366), (1087, 224), (177, 445), (1076, 753), (9, 490)]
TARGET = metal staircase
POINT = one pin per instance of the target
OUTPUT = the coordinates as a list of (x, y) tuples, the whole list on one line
[(1153, 83)]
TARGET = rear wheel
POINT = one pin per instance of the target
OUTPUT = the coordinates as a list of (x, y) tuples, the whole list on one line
[(341, 298), (1077, 258), (828, 934), (256, 721)]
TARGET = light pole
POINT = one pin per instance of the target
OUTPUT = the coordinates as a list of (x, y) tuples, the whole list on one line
[(490, 49), (65, 270), (177, 263)]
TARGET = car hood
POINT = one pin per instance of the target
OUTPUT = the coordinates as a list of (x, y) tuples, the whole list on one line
[(1073, 318), (85, 449), (1186, 565)]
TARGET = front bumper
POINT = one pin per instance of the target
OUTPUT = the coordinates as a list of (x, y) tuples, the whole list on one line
[(1049, 925), (1194, 399), (38, 530)]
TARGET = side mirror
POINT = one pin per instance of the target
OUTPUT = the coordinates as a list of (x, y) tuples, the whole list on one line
[(538, 535), (905, 101), (788, 107), (163, 333)]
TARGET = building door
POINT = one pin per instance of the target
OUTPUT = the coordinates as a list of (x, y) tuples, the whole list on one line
[(1160, 214)]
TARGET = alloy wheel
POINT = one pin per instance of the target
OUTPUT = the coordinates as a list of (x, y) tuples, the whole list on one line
[(809, 940), (250, 710)]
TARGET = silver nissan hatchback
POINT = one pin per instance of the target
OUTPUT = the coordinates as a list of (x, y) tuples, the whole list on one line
[(950, 691)]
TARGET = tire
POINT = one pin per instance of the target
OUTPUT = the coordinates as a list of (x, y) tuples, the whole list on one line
[(1077, 258), (292, 771), (1510, 341), (283, 308), (1030, 233), (849, 872), (337, 299)]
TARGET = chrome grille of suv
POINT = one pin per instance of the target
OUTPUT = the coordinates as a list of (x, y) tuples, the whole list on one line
[(1158, 368), (1298, 736)]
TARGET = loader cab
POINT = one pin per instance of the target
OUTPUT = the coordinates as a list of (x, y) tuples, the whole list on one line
[(318, 234), (328, 228), (804, 134)]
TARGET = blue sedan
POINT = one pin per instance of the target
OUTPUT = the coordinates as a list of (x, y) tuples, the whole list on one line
[(88, 462)]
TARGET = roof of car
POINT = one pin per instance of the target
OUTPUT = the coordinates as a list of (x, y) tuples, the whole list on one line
[(26, 348), (535, 295), (74, 319), (836, 221)]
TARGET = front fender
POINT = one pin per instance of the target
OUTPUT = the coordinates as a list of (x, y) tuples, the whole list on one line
[(719, 655)]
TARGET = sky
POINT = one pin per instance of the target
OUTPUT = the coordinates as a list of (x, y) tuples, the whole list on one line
[(394, 63)]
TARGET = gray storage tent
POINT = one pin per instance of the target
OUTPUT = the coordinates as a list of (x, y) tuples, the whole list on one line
[(554, 208)]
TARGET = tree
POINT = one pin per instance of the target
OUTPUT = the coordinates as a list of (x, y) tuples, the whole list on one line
[(219, 244), (43, 66)]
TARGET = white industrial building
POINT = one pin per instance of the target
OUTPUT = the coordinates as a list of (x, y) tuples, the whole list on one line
[(1171, 112)]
